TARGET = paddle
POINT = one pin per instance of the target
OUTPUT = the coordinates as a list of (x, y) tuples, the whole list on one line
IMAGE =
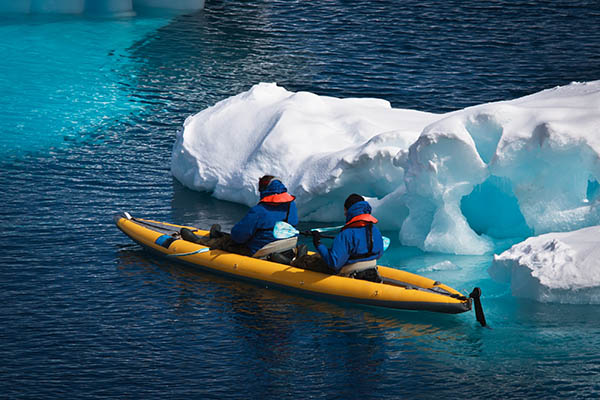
[(283, 230), (202, 250), (328, 229)]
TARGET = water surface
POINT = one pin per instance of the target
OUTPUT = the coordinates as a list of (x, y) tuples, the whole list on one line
[(89, 113)]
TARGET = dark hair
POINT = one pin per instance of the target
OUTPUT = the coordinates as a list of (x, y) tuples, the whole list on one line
[(353, 198), (264, 181)]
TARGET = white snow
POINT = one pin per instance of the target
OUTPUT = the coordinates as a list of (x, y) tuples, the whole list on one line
[(95, 6), (320, 146), (555, 267), (460, 182)]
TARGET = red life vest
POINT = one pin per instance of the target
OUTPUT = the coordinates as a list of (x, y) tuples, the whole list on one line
[(279, 198), (360, 220), (363, 220)]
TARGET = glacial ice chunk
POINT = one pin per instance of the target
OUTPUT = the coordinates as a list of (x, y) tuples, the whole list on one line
[(456, 183), (559, 267)]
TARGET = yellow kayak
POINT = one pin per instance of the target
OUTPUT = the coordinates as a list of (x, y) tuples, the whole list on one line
[(400, 289)]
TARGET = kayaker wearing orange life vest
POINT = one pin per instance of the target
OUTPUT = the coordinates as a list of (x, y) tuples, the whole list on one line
[(276, 204), (355, 249), (255, 230)]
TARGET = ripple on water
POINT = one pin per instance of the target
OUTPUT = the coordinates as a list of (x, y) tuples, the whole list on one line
[(87, 314)]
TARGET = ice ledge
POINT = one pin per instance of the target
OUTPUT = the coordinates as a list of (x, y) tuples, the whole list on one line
[(559, 267), (452, 183)]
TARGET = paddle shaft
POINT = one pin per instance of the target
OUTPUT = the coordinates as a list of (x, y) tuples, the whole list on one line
[(328, 229), (309, 233)]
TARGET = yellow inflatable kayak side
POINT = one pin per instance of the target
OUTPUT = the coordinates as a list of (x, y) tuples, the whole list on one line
[(400, 290)]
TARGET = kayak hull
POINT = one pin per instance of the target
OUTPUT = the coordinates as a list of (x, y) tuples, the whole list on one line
[(400, 290)]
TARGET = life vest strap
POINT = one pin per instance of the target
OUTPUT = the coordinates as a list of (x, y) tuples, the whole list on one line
[(287, 215), (369, 234)]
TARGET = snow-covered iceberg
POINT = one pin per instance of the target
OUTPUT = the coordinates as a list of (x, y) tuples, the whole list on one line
[(454, 183), (555, 267)]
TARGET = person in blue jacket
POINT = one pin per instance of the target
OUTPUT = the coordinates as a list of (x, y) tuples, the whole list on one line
[(354, 250), (256, 228)]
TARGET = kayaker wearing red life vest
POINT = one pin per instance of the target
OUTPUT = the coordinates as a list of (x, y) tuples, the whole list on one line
[(256, 228), (355, 249), (276, 204)]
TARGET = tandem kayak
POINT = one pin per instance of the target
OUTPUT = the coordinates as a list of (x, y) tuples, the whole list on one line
[(400, 290)]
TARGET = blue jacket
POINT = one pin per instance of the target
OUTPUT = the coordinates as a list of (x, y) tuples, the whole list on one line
[(352, 241), (256, 228)]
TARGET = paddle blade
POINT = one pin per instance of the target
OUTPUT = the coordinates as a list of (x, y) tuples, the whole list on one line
[(386, 242), (283, 230)]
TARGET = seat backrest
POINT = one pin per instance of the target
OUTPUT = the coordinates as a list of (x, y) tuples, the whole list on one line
[(348, 269), (277, 246)]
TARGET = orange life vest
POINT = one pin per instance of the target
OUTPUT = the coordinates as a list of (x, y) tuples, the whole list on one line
[(279, 198), (360, 220)]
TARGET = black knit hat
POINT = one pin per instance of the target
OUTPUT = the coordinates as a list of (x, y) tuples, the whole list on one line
[(353, 198)]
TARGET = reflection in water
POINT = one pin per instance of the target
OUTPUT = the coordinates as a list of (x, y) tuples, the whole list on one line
[(259, 309), (202, 210), (286, 340)]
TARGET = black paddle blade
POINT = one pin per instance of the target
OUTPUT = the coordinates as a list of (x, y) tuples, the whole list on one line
[(475, 295)]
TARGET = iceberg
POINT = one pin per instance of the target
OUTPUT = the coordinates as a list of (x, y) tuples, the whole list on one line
[(561, 267), (457, 183)]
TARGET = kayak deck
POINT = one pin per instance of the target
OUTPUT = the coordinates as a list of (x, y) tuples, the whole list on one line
[(400, 289)]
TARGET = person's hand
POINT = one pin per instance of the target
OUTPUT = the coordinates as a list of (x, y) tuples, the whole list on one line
[(316, 237)]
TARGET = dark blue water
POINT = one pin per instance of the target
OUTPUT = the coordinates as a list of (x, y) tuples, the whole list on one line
[(89, 113)]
